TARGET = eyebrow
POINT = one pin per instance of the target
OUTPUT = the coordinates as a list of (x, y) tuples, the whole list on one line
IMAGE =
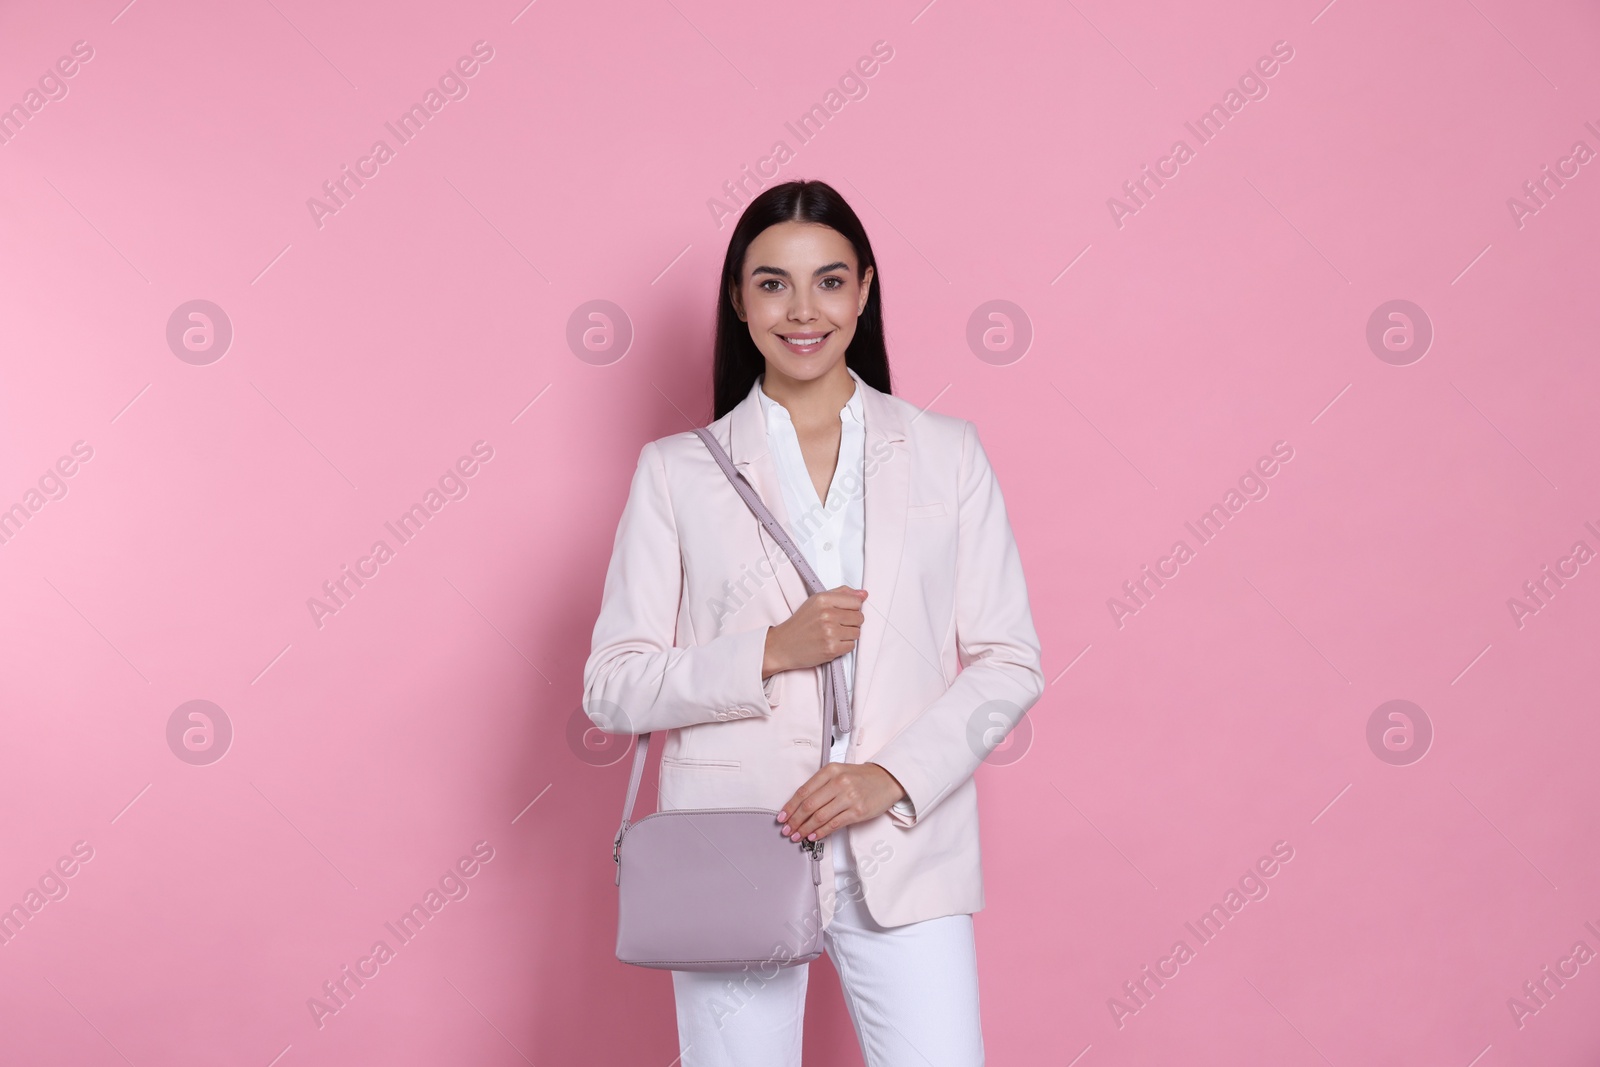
[(780, 272)]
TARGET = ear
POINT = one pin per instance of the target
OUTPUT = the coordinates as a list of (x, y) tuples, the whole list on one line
[(866, 291), (738, 303)]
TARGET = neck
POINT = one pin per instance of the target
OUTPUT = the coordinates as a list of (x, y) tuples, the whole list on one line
[(818, 400)]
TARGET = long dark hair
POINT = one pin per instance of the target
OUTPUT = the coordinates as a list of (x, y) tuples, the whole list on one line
[(738, 362)]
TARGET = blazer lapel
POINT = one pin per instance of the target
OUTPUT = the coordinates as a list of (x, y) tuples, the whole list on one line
[(888, 484), (752, 456)]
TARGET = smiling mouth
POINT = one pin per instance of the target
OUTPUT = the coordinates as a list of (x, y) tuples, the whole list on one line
[(803, 343)]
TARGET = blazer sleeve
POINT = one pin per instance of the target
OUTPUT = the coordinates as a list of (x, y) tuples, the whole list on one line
[(996, 645), (637, 679)]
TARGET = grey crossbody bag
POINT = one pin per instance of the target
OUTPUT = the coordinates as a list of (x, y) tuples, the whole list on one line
[(713, 889)]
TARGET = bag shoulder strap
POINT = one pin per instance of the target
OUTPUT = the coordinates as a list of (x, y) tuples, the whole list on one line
[(838, 717), (836, 698)]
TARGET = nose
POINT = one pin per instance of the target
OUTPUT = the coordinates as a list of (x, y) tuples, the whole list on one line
[(802, 306)]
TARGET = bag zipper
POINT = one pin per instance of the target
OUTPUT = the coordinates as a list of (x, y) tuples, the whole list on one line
[(813, 847)]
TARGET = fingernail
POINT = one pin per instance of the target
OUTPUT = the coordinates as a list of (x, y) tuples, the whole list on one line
[(782, 815), (796, 837), (812, 836)]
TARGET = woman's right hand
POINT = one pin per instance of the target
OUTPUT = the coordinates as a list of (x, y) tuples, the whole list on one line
[(821, 630)]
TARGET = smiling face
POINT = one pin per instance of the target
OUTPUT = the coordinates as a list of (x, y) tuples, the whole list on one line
[(799, 294)]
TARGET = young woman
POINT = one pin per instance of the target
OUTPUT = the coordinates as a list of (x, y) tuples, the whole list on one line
[(706, 631)]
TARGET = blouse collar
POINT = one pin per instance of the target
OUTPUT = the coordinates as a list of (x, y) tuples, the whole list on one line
[(852, 409)]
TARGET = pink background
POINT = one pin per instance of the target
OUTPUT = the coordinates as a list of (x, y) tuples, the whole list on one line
[(1168, 354)]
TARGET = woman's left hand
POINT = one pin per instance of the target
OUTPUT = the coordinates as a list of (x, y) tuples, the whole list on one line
[(840, 794)]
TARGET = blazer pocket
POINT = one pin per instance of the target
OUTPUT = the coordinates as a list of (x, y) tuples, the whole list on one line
[(925, 511), (700, 764)]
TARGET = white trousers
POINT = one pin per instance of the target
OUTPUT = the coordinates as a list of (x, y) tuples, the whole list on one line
[(912, 994)]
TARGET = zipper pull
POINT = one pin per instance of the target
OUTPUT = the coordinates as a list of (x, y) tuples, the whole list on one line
[(816, 850)]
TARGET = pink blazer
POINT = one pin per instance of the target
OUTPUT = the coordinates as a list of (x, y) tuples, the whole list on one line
[(947, 662)]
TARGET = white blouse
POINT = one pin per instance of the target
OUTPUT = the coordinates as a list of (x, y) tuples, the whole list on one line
[(833, 538)]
